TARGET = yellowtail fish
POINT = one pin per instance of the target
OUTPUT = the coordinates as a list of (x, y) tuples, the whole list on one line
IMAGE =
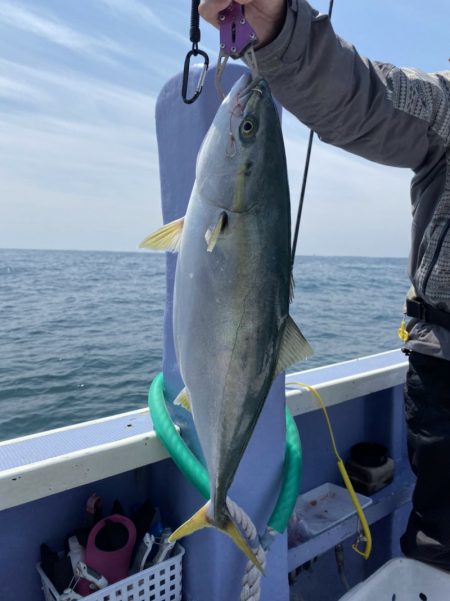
[(232, 330)]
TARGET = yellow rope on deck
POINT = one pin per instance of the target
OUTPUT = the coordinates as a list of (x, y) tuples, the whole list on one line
[(364, 537)]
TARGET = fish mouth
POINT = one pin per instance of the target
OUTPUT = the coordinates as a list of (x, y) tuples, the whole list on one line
[(246, 88), (258, 85), (239, 87)]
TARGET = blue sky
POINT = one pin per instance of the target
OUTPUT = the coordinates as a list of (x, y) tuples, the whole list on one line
[(78, 155)]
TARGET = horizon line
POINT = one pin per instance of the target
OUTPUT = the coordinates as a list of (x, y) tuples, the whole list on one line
[(153, 252)]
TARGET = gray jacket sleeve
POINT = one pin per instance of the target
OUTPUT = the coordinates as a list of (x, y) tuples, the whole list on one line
[(392, 116)]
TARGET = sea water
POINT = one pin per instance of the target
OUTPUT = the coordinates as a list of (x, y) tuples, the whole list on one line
[(81, 333)]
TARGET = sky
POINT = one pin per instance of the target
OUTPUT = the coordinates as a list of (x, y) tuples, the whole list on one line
[(79, 81)]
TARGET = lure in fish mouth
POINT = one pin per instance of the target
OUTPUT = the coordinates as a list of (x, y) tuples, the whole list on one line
[(232, 330)]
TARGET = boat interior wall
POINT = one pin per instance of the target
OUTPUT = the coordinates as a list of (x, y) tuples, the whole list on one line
[(376, 415), (24, 527)]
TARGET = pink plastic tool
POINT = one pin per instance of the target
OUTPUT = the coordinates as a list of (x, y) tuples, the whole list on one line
[(113, 565)]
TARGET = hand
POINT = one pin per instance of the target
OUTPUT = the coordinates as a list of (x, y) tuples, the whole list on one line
[(265, 16)]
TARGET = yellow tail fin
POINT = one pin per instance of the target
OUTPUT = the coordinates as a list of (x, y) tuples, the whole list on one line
[(202, 520)]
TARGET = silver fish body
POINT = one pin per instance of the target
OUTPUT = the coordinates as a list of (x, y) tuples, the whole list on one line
[(231, 304), (232, 328)]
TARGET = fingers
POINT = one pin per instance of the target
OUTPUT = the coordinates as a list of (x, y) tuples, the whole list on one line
[(209, 9), (265, 16)]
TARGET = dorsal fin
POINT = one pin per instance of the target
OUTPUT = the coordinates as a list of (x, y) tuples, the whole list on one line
[(294, 347), (168, 237)]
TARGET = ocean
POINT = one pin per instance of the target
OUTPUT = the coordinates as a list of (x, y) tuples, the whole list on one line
[(81, 332)]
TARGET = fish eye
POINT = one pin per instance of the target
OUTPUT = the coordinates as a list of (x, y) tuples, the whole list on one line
[(248, 127)]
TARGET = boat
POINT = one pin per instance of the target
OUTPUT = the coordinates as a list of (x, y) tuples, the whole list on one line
[(46, 478)]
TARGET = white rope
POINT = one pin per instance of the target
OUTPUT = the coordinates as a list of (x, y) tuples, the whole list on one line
[(251, 582)]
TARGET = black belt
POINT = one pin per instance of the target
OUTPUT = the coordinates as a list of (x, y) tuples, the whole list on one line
[(420, 310)]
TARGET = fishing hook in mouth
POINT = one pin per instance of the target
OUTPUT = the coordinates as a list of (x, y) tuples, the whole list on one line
[(231, 146), (251, 87)]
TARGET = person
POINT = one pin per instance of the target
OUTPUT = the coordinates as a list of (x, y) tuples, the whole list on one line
[(399, 117)]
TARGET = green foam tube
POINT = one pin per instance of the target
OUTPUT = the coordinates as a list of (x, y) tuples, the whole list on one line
[(197, 474), (292, 473)]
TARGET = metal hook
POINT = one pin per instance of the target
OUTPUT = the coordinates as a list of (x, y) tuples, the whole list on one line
[(221, 62), (194, 52)]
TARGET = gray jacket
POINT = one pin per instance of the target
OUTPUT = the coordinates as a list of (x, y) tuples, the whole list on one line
[(397, 117)]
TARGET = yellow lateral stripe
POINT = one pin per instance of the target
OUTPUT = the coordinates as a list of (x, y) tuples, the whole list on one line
[(239, 192)]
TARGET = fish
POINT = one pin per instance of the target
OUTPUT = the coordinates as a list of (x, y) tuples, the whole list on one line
[(232, 330)]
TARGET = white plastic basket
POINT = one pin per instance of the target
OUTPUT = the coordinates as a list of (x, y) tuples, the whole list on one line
[(157, 583)]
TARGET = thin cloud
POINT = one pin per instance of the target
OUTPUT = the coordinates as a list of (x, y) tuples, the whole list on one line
[(56, 32), (352, 206), (62, 182), (142, 13), (11, 89), (69, 93)]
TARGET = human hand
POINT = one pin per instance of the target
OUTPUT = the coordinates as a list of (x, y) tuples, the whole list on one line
[(265, 16)]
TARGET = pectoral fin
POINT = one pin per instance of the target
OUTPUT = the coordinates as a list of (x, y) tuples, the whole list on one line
[(294, 347), (168, 237), (183, 400), (212, 234)]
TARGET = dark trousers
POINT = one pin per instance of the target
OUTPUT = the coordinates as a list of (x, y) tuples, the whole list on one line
[(427, 406)]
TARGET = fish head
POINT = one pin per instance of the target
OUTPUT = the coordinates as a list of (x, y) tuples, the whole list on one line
[(242, 149)]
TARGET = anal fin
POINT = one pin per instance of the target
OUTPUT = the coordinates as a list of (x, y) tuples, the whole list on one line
[(183, 400)]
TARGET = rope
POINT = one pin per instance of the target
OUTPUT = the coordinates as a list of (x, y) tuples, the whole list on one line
[(365, 538), (251, 581)]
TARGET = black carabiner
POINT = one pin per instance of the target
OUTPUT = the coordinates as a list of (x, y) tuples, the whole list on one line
[(194, 52), (194, 36)]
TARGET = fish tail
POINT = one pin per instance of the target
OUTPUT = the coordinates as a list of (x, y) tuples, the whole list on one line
[(201, 519)]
